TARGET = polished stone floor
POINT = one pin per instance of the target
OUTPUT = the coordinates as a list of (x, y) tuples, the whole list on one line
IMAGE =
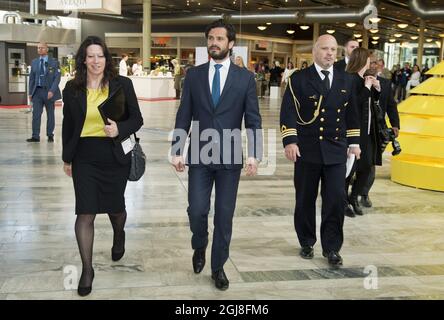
[(394, 251)]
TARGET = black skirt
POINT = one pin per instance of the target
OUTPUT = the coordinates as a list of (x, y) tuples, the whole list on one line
[(99, 180)]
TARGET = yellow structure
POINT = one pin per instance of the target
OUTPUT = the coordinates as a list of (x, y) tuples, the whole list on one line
[(421, 162)]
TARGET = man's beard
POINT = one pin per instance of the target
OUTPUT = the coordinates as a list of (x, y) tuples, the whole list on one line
[(218, 56)]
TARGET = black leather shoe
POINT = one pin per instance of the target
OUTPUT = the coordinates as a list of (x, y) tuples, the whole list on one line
[(84, 291), (33, 140), (334, 259), (117, 255), (366, 202), (199, 260), (348, 211), (50, 139), (221, 280), (356, 207), (306, 252)]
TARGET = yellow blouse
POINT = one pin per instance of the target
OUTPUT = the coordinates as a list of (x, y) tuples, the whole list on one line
[(93, 126)]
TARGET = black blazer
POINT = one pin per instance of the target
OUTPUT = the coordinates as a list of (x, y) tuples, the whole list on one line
[(387, 102), (238, 101), (326, 139), (74, 113), (341, 65)]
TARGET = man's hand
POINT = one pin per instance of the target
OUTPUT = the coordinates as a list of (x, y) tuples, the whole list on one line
[(292, 152), (50, 95), (178, 163), (376, 84), (354, 150), (396, 131), (67, 169), (111, 129), (251, 166)]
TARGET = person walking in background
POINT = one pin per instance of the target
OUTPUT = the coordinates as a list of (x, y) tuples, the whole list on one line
[(95, 155), (415, 78), (123, 67), (178, 74), (287, 72), (44, 82), (137, 68), (349, 46), (216, 97), (320, 127)]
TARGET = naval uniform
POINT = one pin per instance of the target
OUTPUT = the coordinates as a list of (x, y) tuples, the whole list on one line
[(321, 117)]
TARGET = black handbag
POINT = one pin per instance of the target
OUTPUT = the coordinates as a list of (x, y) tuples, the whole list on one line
[(138, 161)]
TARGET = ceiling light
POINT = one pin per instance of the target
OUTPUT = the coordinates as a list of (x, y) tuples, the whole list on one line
[(429, 40), (290, 31), (359, 40), (375, 42), (392, 40), (330, 31), (414, 37), (375, 38), (357, 35), (373, 30), (397, 35), (350, 24), (262, 28), (304, 27), (441, 35), (375, 20), (403, 25), (268, 23)]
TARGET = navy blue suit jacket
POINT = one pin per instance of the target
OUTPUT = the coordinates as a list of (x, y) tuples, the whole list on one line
[(51, 80), (238, 100)]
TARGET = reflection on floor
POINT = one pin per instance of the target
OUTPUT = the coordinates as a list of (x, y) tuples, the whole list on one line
[(399, 240)]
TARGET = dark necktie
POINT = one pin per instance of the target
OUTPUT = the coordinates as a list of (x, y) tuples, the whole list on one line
[(215, 92), (326, 80), (41, 72)]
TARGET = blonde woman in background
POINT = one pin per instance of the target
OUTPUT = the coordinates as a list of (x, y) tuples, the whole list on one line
[(287, 72), (137, 69), (177, 77), (240, 62)]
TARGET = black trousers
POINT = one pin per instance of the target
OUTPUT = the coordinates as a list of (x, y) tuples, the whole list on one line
[(307, 177), (200, 186), (370, 180)]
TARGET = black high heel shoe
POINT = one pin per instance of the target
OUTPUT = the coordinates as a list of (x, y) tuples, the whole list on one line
[(117, 255), (84, 291)]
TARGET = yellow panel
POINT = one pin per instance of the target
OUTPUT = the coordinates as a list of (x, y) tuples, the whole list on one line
[(422, 105), (423, 125), (433, 86), (418, 175), (423, 146), (437, 70)]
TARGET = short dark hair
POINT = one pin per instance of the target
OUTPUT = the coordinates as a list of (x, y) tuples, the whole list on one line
[(80, 77), (350, 39), (231, 32), (358, 59)]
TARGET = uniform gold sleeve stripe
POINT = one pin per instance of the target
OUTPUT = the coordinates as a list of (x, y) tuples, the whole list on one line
[(350, 130), (352, 135), (289, 134), (288, 130)]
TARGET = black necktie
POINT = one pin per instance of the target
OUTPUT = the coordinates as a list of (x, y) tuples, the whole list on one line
[(326, 80)]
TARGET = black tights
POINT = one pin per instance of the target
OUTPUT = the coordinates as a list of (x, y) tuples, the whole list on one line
[(84, 229)]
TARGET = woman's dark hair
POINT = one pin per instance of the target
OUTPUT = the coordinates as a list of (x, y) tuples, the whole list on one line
[(358, 59), (108, 73), (231, 32)]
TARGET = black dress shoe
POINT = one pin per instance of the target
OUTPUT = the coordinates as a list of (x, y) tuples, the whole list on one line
[(199, 260), (51, 139), (84, 291), (348, 211), (33, 140), (334, 259), (366, 202), (221, 280), (115, 254), (306, 252), (356, 207)]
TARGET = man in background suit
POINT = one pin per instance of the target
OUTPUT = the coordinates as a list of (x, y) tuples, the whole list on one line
[(388, 106), (216, 97), (349, 46), (320, 128), (44, 82)]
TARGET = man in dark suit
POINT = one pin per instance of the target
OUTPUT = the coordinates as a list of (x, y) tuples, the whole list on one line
[(388, 106), (349, 46), (44, 82), (216, 97), (320, 128)]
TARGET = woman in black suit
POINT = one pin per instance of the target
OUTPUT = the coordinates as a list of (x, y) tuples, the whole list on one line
[(92, 151), (367, 89)]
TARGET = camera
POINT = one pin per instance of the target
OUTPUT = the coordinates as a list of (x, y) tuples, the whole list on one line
[(395, 143)]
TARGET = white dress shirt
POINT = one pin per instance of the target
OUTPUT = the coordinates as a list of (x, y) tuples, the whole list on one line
[(223, 72), (321, 75), (123, 68)]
